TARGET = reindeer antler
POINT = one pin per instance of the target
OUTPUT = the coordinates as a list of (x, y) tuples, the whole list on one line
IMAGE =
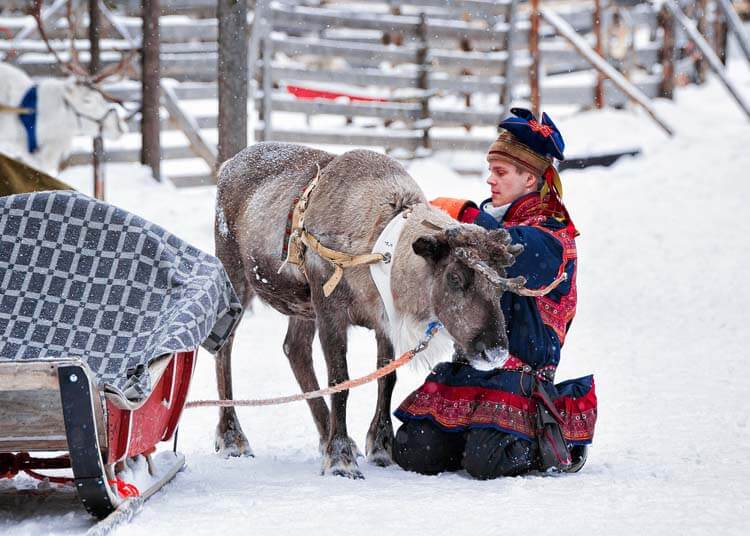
[(116, 69), (516, 285), (71, 67), (74, 67), (471, 259), (496, 246), (73, 32)]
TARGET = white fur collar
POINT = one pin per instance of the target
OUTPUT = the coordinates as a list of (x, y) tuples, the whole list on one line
[(405, 331), (381, 271)]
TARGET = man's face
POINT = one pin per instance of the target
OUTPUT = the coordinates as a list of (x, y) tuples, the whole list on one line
[(508, 183)]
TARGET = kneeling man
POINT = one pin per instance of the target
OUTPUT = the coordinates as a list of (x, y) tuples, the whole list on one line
[(513, 419)]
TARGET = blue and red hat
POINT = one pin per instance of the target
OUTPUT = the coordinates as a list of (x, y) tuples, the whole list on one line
[(527, 142), (543, 138), (534, 146)]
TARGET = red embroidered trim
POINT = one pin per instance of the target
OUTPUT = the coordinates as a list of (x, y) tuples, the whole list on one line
[(461, 407), (531, 211), (528, 210)]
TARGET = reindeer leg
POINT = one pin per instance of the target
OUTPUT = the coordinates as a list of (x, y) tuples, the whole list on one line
[(339, 456), (380, 436), (298, 349), (230, 440)]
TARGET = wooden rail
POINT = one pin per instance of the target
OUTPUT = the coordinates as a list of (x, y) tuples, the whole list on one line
[(448, 85), (603, 67)]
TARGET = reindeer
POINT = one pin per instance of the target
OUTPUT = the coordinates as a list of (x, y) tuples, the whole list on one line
[(64, 108), (440, 270)]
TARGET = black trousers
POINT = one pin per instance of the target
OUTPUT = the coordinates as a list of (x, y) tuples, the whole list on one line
[(422, 447)]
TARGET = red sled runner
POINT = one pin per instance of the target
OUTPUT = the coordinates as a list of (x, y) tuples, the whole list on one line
[(52, 406), (101, 315)]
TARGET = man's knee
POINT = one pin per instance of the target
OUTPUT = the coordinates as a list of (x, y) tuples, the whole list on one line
[(422, 447), (491, 454)]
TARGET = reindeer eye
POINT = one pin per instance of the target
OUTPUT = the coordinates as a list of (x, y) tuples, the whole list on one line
[(455, 281)]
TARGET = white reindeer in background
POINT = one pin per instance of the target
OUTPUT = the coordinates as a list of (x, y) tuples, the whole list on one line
[(64, 108), (39, 120)]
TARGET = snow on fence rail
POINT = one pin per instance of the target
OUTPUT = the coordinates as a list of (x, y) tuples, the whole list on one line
[(439, 77), (431, 64)]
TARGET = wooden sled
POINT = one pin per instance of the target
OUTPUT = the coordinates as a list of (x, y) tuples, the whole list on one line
[(55, 405)]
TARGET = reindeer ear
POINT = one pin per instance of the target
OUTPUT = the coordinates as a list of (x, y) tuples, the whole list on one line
[(431, 247)]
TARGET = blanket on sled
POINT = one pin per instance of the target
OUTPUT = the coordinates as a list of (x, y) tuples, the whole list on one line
[(82, 278)]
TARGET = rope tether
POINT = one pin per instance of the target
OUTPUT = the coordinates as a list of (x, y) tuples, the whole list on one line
[(407, 356)]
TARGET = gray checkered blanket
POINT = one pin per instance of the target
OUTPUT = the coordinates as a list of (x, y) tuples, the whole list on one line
[(81, 278)]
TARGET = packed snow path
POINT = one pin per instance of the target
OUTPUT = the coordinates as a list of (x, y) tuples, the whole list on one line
[(662, 323)]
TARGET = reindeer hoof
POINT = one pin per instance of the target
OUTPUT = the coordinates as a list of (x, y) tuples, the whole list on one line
[(380, 446), (381, 458), (340, 459), (354, 474), (232, 443)]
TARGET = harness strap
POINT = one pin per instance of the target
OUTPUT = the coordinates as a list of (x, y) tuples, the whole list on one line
[(28, 119), (294, 253), (4, 108), (338, 259), (299, 237), (515, 364)]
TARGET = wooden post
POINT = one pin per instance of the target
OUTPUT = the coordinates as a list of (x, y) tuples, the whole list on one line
[(535, 58), (94, 67), (232, 72), (150, 66), (257, 30), (700, 63), (266, 108), (705, 49), (466, 46), (667, 53), (721, 35), (423, 81), (736, 25), (599, 48), (506, 95)]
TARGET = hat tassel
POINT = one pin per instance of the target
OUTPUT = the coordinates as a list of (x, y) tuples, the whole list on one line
[(553, 184)]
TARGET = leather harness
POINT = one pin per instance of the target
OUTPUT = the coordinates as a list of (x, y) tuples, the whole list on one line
[(300, 238)]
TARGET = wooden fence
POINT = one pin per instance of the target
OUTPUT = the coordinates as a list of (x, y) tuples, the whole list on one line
[(464, 62), (425, 74)]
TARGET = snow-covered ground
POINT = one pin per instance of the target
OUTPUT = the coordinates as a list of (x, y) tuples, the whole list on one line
[(662, 322)]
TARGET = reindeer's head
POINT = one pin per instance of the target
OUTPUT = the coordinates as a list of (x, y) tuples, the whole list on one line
[(468, 265), (82, 94), (92, 110)]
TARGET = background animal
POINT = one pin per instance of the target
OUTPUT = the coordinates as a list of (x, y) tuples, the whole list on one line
[(65, 108), (439, 272)]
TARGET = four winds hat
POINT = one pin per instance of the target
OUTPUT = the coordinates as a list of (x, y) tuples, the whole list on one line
[(534, 146)]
